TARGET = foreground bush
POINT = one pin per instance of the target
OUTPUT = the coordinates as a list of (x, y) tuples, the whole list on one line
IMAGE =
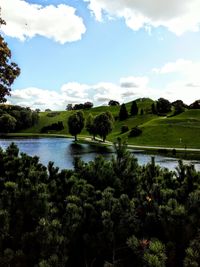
[(102, 213)]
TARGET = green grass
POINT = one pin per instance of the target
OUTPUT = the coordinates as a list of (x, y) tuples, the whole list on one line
[(177, 131)]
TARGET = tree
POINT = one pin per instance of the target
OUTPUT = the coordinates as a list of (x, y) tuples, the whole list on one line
[(8, 69), (134, 108), (88, 105), (7, 123), (179, 107), (76, 123), (123, 113), (90, 125), (153, 109), (69, 107), (163, 106), (195, 105), (103, 125), (113, 103)]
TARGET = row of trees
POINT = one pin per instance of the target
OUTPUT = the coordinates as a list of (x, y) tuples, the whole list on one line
[(123, 113), (86, 105), (16, 118), (160, 107), (100, 125), (102, 213)]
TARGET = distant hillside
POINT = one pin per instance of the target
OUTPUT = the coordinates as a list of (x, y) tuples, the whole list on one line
[(182, 130)]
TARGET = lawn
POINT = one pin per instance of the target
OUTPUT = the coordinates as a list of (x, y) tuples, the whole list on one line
[(182, 130)]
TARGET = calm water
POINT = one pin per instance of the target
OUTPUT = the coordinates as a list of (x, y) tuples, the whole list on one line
[(62, 152)]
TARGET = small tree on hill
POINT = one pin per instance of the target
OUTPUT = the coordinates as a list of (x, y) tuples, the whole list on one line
[(134, 108), (163, 106), (76, 123), (113, 103), (123, 113)]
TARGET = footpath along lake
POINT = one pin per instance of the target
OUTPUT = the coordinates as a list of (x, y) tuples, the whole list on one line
[(62, 152)]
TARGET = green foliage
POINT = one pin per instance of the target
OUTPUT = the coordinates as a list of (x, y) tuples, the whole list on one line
[(8, 69), (53, 114), (90, 127), (103, 124), (109, 213), (134, 109), (7, 123), (156, 130), (135, 132), (124, 129), (76, 123), (123, 113), (24, 117), (163, 106), (53, 127)]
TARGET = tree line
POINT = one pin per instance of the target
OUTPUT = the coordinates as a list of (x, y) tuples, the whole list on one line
[(100, 214), (101, 124), (15, 118)]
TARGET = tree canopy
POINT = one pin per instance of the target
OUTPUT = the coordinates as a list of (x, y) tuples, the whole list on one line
[(76, 123), (103, 124), (8, 69), (134, 108), (101, 213), (123, 113), (163, 106)]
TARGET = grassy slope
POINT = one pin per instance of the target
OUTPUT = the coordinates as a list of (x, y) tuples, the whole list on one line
[(178, 131)]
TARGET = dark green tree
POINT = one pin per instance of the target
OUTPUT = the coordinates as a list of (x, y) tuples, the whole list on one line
[(8, 70), (179, 107), (76, 123), (7, 123), (123, 113), (103, 124), (163, 106), (153, 108), (90, 125), (134, 108)]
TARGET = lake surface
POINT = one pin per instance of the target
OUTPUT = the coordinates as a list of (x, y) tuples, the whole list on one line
[(62, 152)]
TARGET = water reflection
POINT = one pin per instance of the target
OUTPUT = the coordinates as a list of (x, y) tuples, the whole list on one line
[(62, 152)]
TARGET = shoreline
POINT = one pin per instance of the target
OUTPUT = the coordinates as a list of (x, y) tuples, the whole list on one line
[(175, 152)]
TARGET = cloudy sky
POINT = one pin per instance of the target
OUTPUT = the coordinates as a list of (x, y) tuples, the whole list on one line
[(72, 51)]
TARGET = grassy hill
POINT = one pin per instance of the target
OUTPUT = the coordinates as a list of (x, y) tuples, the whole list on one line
[(182, 130)]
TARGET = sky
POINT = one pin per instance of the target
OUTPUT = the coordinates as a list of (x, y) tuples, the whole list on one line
[(73, 51)]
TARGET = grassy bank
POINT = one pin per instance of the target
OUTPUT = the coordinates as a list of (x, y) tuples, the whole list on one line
[(181, 131)]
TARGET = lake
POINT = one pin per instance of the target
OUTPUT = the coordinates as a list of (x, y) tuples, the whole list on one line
[(63, 150)]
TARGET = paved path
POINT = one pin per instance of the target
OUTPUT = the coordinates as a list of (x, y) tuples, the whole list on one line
[(97, 141), (167, 148)]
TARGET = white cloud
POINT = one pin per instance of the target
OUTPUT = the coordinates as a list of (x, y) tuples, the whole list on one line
[(178, 16), (74, 92), (188, 69), (25, 20), (181, 90), (179, 65), (185, 86), (75, 89), (134, 82)]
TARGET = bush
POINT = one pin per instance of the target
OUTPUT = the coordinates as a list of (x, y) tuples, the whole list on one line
[(53, 114), (124, 129), (135, 132), (53, 127)]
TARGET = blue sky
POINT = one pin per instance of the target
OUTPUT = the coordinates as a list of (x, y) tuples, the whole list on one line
[(97, 50)]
